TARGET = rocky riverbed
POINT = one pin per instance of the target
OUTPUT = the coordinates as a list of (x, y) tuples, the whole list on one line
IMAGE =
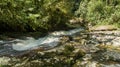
[(85, 49)]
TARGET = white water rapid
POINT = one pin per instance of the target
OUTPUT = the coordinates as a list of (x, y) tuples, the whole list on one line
[(50, 40)]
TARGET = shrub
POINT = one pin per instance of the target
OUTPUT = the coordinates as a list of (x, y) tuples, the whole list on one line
[(33, 15), (99, 11)]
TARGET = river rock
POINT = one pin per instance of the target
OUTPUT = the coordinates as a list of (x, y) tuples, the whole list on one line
[(103, 28), (109, 65), (4, 60), (107, 55)]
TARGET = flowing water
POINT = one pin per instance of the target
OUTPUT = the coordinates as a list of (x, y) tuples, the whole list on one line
[(102, 48), (21, 45)]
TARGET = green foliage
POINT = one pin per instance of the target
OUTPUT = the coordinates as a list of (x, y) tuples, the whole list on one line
[(33, 15), (4, 65), (46, 15), (69, 48), (100, 11)]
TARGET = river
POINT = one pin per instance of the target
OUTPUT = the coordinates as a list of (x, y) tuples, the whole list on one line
[(51, 40)]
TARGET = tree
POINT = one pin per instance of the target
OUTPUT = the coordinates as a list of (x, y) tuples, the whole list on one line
[(34, 15)]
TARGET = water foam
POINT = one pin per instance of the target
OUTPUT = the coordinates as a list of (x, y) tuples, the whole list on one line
[(50, 40)]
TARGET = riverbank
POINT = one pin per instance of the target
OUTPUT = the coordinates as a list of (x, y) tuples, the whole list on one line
[(93, 49)]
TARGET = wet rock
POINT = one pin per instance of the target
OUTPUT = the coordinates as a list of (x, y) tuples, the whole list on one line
[(88, 64), (112, 55), (109, 65), (108, 38), (4, 60), (116, 42), (91, 64), (107, 55)]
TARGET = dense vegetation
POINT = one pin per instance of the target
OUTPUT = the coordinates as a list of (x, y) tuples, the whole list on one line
[(33, 15), (47, 15), (100, 11)]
